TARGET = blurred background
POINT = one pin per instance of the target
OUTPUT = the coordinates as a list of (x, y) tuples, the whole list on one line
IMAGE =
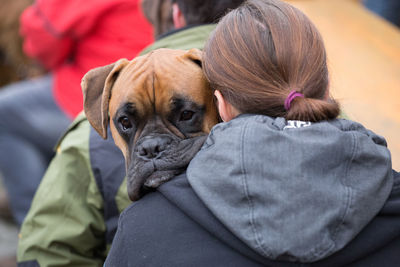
[(363, 46), (14, 66)]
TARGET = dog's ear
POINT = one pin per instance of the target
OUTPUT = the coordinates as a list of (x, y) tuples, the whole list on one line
[(195, 55), (96, 87)]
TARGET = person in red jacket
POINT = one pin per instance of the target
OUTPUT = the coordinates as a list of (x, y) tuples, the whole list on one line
[(68, 38)]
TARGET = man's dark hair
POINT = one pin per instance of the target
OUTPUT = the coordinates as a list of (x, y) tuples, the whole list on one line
[(206, 11)]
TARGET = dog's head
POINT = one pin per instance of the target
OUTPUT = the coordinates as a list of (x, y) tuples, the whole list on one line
[(159, 107)]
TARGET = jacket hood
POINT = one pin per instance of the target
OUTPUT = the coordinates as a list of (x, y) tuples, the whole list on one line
[(292, 190)]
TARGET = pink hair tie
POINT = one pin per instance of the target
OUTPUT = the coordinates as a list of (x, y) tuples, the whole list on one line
[(293, 94)]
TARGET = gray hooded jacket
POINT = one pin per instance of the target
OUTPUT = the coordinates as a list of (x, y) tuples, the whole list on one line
[(292, 190)]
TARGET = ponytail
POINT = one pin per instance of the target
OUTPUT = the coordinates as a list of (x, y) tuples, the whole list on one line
[(261, 49), (314, 110)]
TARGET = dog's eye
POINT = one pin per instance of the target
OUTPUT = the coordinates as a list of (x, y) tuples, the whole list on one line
[(125, 123), (186, 115)]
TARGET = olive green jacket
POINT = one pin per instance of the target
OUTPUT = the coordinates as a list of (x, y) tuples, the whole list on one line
[(74, 213)]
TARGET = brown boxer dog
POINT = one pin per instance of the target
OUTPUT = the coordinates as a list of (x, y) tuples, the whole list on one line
[(160, 109)]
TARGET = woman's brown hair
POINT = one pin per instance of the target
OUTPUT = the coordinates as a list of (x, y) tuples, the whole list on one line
[(264, 50)]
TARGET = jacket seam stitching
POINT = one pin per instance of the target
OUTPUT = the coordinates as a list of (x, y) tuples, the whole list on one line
[(349, 192), (47, 24), (258, 240)]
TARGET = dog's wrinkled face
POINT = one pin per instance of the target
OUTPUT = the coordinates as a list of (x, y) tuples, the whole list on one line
[(159, 107)]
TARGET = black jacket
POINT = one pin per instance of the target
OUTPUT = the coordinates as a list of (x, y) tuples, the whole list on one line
[(172, 227)]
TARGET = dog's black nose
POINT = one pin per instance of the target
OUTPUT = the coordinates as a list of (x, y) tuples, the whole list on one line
[(152, 146)]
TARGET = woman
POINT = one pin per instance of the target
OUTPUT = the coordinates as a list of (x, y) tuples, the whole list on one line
[(282, 181)]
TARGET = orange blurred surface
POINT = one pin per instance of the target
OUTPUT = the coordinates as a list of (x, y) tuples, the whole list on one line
[(364, 62)]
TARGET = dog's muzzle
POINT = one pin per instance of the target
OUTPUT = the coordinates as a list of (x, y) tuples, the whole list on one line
[(151, 147), (157, 159)]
